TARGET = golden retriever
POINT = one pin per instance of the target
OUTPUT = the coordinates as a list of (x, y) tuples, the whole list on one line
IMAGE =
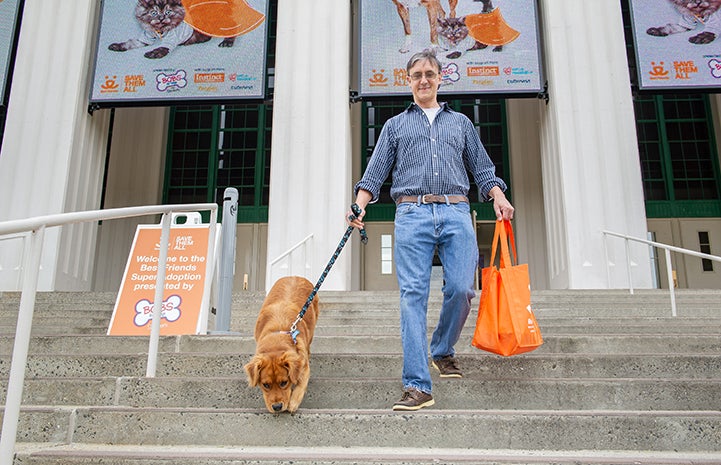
[(280, 367)]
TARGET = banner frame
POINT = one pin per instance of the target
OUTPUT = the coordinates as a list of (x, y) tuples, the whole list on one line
[(541, 92), (95, 104)]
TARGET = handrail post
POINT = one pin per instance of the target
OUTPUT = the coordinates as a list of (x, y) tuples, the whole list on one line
[(159, 291), (628, 265), (11, 415), (608, 266), (229, 227), (672, 291)]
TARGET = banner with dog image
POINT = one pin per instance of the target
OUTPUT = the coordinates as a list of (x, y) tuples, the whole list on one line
[(8, 22), (156, 51), (485, 46), (185, 305), (678, 43)]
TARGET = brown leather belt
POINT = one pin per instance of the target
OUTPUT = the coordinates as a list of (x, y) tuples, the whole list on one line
[(431, 198)]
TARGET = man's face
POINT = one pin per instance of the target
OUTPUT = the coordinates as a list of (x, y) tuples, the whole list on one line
[(423, 78)]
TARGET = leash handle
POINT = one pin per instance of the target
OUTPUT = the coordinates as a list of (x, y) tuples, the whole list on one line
[(356, 213)]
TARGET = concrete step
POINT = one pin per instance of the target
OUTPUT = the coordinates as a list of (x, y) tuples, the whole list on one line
[(616, 381), (637, 430), (470, 393), (387, 322), (107, 454), (365, 344), (364, 365), (359, 300)]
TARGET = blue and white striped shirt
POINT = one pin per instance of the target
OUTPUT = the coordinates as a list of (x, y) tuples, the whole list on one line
[(429, 158)]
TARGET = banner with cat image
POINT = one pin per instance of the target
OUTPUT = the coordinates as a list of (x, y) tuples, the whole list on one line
[(163, 51), (485, 46), (678, 43), (8, 23)]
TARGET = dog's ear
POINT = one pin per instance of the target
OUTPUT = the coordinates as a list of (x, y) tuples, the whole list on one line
[(292, 362), (252, 369)]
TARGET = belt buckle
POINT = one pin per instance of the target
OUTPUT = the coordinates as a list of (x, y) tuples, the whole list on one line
[(423, 199)]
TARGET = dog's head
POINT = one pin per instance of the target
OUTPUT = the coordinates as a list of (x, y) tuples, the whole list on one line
[(276, 374)]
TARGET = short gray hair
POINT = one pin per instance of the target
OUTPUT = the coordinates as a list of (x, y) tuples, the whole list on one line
[(426, 54)]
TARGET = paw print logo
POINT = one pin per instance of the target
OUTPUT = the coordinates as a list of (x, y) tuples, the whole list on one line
[(170, 310)]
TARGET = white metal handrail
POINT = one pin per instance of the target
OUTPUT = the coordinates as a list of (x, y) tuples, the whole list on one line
[(34, 228), (667, 249), (289, 251), (302, 243)]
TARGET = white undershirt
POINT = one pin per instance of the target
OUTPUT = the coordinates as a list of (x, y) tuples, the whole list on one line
[(431, 113)]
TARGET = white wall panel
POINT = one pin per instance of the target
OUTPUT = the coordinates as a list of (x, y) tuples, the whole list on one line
[(53, 152)]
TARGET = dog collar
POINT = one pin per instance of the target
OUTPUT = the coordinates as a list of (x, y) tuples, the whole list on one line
[(293, 335)]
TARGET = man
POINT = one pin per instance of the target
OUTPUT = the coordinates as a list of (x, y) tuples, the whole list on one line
[(428, 149)]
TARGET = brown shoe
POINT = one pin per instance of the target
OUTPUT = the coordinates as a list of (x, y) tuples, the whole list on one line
[(448, 366), (413, 399)]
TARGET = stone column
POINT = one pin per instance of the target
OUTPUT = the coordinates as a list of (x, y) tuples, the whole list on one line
[(591, 171), (311, 186), (53, 152)]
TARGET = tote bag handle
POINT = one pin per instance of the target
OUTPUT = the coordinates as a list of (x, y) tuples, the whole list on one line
[(504, 233)]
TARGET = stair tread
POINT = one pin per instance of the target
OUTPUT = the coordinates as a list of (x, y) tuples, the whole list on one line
[(355, 454)]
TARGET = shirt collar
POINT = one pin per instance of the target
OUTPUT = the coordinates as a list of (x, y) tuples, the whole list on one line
[(443, 105)]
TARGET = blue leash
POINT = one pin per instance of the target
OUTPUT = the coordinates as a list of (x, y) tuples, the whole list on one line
[(364, 239)]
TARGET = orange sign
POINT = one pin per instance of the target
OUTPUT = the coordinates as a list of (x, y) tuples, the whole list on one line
[(185, 306)]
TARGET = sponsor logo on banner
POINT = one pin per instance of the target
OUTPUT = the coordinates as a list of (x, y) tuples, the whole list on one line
[(508, 70), (450, 74), (714, 65), (515, 82), (477, 71), (238, 77), (171, 82), (658, 71), (209, 77), (208, 88), (110, 85), (378, 79)]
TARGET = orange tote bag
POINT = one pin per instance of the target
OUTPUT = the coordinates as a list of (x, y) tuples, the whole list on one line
[(506, 324)]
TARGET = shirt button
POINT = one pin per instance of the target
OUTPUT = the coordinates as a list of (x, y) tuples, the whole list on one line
[(436, 174)]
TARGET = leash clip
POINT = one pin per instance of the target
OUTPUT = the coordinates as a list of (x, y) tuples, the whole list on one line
[(294, 330)]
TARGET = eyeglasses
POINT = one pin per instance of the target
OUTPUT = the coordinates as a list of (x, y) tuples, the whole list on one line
[(428, 75)]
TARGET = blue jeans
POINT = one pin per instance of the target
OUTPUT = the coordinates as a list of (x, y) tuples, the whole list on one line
[(419, 229)]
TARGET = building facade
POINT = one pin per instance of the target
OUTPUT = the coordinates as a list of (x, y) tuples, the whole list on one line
[(592, 154)]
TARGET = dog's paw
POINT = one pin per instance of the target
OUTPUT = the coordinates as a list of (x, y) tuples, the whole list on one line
[(657, 31), (703, 38)]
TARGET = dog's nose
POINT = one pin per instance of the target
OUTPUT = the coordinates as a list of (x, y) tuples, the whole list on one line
[(278, 407)]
